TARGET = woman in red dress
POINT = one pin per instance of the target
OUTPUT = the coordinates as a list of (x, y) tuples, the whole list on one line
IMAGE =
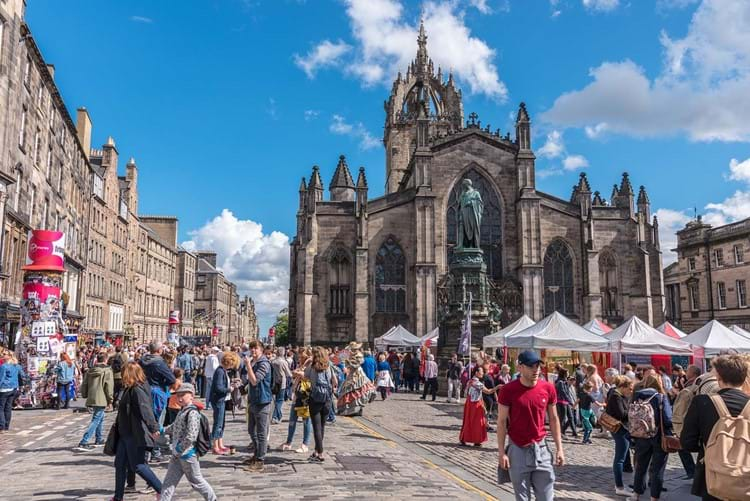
[(474, 425)]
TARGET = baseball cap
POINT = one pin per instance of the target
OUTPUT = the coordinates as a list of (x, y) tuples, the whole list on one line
[(529, 358), (186, 388)]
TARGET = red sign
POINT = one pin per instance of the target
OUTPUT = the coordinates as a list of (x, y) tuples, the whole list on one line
[(46, 251), (215, 331), (272, 332), (174, 317)]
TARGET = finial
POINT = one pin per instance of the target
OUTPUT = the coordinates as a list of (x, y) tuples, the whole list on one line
[(523, 115), (642, 196), (583, 183), (302, 185), (361, 179), (597, 199), (131, 161), (625, 186)]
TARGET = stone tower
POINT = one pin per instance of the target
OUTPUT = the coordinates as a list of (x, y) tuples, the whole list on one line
[(421, 91)]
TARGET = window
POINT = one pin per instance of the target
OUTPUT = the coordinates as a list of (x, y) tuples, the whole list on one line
[(2, 31), (741, 293), (691, 264), (693, 296), (608, 284), (43, 224), (27, 72), (390, 278), (22, 130), (339, 280), (32, 201), (558, 279), (19, 180), (490, 229), (739, 256), (49, 160), (37, 147), (721, 295), (719, 257)]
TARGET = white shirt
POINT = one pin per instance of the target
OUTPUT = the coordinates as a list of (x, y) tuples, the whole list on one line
[(430, 369), (212, 363)]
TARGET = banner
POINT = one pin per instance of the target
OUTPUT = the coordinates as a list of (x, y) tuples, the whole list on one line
[(46, 251), (464, 346), (174, 317)]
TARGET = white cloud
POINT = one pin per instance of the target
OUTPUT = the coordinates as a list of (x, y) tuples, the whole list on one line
[(340, 126), (662, 5), (596, 131), (553, 147), (311, 115), (739, 171), (271, 109), (601, 5), (481, 6), (670, 222), (731, 209), (575, 162), (701, 91), (384, 43), (325, 54), (257, 262), (141, 19)]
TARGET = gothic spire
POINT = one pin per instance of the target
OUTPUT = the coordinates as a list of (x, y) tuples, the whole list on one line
[(315, 181), (625, 187), (597, 199), (302, 185), (583, 183), (642, 196), (422, 62), (523, 115), (361, 179), (342, 178), (615, 193)]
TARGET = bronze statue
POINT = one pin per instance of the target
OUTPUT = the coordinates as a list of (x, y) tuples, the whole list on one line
[(470, 212)]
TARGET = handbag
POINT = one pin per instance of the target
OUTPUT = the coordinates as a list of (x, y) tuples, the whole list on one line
[(609, 423), (113, 437), (671, 443)]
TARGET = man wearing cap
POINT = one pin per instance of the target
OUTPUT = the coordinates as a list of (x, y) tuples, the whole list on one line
[(522, 406), (184, 432)]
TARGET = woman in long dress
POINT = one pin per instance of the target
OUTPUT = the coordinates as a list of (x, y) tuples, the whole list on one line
[(474, 425), (357, 390)]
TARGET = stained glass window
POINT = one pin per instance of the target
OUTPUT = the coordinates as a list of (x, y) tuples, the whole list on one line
[(339, 296), (490, 230), (390, 278), (558, 279), (608, 284)]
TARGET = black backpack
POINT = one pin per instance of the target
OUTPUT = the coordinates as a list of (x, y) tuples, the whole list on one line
[(117, 363), (322, 390), (203, 442)]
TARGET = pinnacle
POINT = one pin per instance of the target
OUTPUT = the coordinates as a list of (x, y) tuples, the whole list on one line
[(361, 179), (342, 178), (523, 115)]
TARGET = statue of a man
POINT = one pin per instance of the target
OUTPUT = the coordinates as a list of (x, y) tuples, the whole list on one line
[(469, 217)]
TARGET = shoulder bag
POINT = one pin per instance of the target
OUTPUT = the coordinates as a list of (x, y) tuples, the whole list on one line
[(671, 443)]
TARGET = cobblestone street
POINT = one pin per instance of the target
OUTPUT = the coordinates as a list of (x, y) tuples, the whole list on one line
[(403, 446)]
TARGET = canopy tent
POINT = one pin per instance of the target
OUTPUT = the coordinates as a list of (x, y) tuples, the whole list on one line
[(739, 330), (557, 332), (671, 331), (597, 327), (638, 338), (497, 340), (714, 338), (397, 336), (430, 338)]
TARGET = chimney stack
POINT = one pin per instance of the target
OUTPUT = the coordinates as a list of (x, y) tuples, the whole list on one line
[(83, 126)]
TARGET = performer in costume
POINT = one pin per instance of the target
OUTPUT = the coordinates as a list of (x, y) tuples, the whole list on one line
[(474, 425), (357, 390)]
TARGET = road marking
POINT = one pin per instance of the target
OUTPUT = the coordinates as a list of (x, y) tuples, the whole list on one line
[(372, 432), (62, 426), (466, 485), (37, 427), (24, 433), (9, 453), (28, 443), (45, 434)]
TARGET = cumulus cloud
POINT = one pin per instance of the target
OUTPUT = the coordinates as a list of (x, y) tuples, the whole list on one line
[(357, 130), (596, 131), (384, 43), (325, 54), (575, 162), (141, 19), (739, 171), (701, 90), (553, 149), (481, 5), (311, 115), (601, 5), (256, 261), (670, 222)]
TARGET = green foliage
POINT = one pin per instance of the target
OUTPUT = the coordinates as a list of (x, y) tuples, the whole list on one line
[(282, 328)]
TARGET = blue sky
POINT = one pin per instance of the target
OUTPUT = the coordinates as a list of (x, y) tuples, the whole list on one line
[(226, 104)]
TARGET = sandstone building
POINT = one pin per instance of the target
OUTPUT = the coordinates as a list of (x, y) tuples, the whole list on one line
[(361, 265), (710, 278)]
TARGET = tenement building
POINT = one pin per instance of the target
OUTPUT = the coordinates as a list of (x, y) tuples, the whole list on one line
[(360, 265), (709, 280), (211, 299)]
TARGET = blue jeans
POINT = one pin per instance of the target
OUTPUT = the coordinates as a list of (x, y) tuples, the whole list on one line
[(131, 458), (6, 408), (622, 446), (96, 425), (277, 403), (209, 380), (307, 428), (650, 457), (396, 379), (218, 428), (64, 394)]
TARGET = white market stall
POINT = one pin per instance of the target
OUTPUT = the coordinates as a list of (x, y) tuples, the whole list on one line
[(739, 330), (715, 338), (671, 331), (636, 337), (597, 327), (557, 332), (497, 339), (397, 336)]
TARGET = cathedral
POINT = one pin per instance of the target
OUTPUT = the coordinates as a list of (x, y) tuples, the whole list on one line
[(360, 266)]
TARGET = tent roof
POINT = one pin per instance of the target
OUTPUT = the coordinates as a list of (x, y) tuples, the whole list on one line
[(497, 339), (398, 336), (739, 330), (637, 337), (671, 331), (597, 327), (557, 332), (715, 337)]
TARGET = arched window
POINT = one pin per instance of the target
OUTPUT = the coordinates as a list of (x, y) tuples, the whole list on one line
[(339, 297), (390, 278), (490, 230), (608, 284), (558, 279)]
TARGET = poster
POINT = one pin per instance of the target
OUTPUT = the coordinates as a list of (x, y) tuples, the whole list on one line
[(42, 345), (41, 297), (33, 366), (55, 346)]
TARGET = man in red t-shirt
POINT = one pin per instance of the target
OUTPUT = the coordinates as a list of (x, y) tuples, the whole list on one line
[(522, 404)]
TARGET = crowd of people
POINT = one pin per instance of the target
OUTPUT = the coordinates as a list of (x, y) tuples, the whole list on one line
[(155, 389)]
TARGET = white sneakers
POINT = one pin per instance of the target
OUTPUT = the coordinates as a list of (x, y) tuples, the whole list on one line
[(624, 491), (302, 449)]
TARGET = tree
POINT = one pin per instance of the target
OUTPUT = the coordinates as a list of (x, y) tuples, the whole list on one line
[(281, 327)]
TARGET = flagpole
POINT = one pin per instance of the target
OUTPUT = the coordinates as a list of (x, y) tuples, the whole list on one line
[(468, 327)]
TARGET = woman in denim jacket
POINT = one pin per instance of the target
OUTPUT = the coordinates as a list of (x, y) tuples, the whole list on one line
[(11, 377), (64, 371)]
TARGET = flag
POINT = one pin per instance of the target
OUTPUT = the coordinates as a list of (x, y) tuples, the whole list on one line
[(464, 347)]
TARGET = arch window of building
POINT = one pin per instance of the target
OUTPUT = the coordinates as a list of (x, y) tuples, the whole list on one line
[(339, 295), (390, 278), (491, 228), (608, 284), (558, 279)]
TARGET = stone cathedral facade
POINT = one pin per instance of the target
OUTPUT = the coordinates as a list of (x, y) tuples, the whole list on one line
[(361, 265)]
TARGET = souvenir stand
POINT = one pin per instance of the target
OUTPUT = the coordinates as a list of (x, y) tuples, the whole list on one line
[(636, 338), (43, 334), (558, 338)]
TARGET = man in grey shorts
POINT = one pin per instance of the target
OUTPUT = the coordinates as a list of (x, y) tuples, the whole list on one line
[(522, 406)]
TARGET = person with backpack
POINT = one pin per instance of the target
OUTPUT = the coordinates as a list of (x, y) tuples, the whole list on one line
[(648, 414), (717, 427), (617, 407), (281, 374), (300, 406), (322, 384), (116, 363), (680, 406), (187, 446)]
